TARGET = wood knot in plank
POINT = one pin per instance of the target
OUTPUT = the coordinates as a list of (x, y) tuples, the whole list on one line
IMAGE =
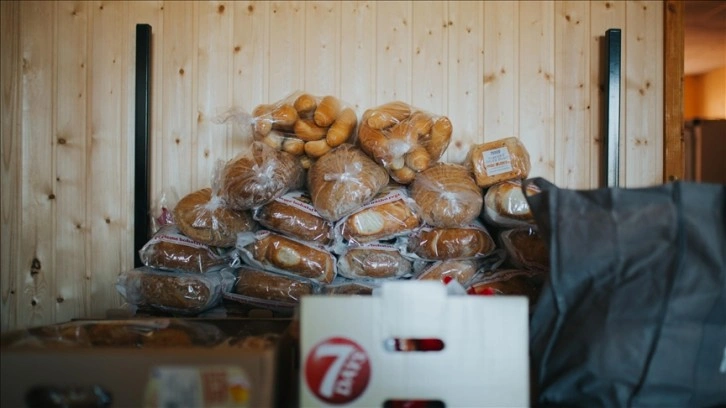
[(220, 9), (35, 267)]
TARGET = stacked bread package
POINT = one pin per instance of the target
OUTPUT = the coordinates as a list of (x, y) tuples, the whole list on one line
[(320, 203)]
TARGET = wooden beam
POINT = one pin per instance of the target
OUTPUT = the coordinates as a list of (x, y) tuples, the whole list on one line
[(673, 91)]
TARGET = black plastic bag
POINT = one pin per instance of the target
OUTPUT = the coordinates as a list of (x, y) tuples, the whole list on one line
[(634, 311)]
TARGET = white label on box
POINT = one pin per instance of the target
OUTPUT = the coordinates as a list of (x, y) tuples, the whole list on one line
[(497, 161), (213, 387)]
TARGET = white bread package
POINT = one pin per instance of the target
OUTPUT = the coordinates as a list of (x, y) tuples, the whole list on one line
[(257, 176), (294, 215), (278, 253), (203, 216), (506, 206), (373, 261), (305, 125), (389, 215), (343, 180), (437, 244), (446, 195), (500, 160), (403, 139), (170, 250)]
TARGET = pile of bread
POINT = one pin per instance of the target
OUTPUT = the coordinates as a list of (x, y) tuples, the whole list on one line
[(324, 203)]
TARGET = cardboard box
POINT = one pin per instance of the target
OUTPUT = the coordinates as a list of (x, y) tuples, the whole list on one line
[(346, 357), (225, 374)]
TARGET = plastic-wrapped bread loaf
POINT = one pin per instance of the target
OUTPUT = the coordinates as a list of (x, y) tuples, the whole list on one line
[(500, 160), (506, 206), (526, 249), (174, 292), (390, 214), (462, 270), (258, 176), (343, 180), (203, 217), (169, 249), (468, 242), (373, 261), (260, 284), (294, 215), (278, 253), (446, 195)]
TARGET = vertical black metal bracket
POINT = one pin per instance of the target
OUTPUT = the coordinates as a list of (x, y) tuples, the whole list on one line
[(611, 124), (142, 129)]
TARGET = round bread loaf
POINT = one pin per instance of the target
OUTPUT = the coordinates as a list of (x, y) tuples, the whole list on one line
[(205, 219), (447, 195), (343, 180), (259, 176)]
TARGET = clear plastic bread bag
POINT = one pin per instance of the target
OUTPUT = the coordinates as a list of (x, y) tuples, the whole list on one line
[(270, 290), (389, 215), (278, 253), (345, 286), (373, 261), (304, 125), (257, 176), (162, 210), (404, 139), (169, 249), (438, 244), (526, 248), (174, 292), (294, 215), (344, 180), (446, 195), (505, 205), (498, 160)]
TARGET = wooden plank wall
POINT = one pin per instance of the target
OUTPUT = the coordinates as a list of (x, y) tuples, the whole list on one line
[(497, 69)]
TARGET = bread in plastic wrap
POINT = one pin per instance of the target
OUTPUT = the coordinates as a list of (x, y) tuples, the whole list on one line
[(526, 248), (203, 217), (462, 270), (278, 253), (174, 292), (257, 176), (435, 244), (305, 125), (509, 282), (389, 215), (506, 206), (373, 261), (344, 286), (499, 160), (294, 215), (403, 139), (169, 249), (446, 195), (343, 180), (269, 290)]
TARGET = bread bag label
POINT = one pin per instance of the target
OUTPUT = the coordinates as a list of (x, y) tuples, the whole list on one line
[(497, 161), (297, 200), (171, 234)]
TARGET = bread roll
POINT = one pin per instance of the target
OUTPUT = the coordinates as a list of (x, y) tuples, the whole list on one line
[(506, 206), (364, 288), (259, 176), (373, 262), (207, 220), (342, 128), (294, 257), (500, 160), (327, 111), (387, 115), (447, 195), (305, 105), (526, 249), (451, 243), (385, 217), (265, 285), (308, 131), (294, 146), (343, 180), (404, 175), (169, 249), (460, 269), (374, 143), (284, 117), (317, 148), (440, 137), (294, 215), (418, 159), (262, 119)]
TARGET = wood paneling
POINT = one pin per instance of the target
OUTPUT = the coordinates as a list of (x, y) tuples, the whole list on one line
[(674, 163), (529, 69)]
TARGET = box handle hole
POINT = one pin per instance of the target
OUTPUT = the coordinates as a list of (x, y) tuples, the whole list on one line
[(414, 404), (405, 345)]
